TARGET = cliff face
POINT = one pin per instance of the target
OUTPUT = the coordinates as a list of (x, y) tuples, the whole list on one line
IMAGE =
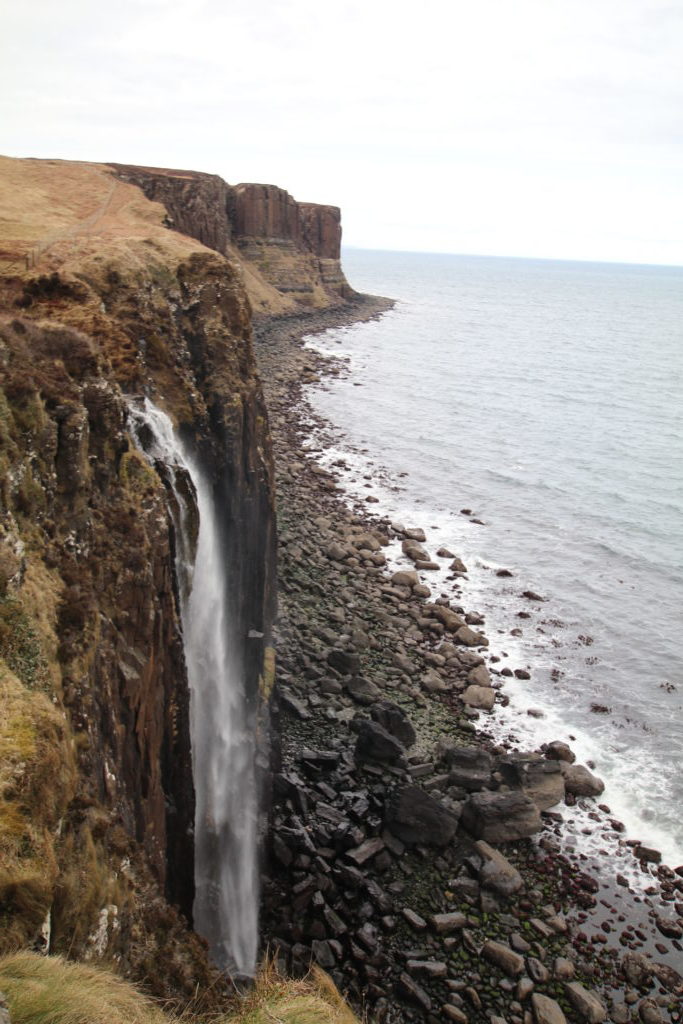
[(100, 301), (289, 251)]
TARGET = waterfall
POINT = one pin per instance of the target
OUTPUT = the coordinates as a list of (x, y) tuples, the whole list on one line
[(222, 728)]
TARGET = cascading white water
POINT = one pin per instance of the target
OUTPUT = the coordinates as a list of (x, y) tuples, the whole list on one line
[(222, 732)]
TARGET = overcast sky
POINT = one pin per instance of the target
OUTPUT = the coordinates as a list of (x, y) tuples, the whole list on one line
[(515, 127)]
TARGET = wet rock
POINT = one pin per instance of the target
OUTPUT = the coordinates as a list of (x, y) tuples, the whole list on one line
[(293, 704), (525, 987), (546, 1010), (540, 779), (454, 1013), (479, 676), (323, 954), (415, 533), (411, 990), (470, 767), (580, 782), (430, 968), (585, 1002), (648, 854), (370, 848), (563, 969), (444, 924), (457, 565), (537, 971), (638, 969), (649, 1012), (432, 682), (558, 751), (448, 618), (344, 662), (503, 956), (500, 817), (414, 919), (470, 638), (405, 578), (669, 927), (497, 872), (481, 697), (394, 719), (362, 690), (374, 743), (418, 819)]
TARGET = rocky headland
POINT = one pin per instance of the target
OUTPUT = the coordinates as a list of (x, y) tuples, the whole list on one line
[(403, 852)]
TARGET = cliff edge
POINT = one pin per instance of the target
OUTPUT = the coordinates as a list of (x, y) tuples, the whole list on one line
[(102, 302)]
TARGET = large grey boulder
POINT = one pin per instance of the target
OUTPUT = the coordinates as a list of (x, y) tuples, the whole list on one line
[(546, 1010), (394, 719), (481, 697), (586, 1003), (501, 817), (540, 779), (418, 819), (497, 872), (470, 767), (580, 782), (374, 743)]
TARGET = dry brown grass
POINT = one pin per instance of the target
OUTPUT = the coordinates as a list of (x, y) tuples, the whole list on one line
[(50, 990), (279, 1000)]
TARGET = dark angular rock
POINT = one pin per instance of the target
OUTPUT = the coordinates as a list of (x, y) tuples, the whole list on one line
[(344, 662), (501, 817), (394, 719), (411, 990), (374, 743), (418, 819)]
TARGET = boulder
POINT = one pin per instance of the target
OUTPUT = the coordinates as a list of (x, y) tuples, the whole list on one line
[(374, 743), (394, 719), (497, 872), (503, 956), (482, 697), (479, 676), (450, 619), (559, 751), (418, 819), (470, 637), (470, 767), (586, 1003), (501, 817), (579, 781), (405, 578), (363, 691), (344, 662), (546, 1010), (444, 924), (432, 682), (540, 779)]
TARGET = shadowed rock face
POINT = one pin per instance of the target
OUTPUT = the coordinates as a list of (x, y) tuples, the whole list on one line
[(295, 247), (118, 306)]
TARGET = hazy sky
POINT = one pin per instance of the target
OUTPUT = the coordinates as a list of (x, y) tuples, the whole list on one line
[(514, 127)]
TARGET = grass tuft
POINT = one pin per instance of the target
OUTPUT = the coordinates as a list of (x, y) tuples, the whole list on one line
[(50, 990)]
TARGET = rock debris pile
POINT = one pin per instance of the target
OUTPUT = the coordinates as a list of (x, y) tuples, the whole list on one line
[(400, 856)]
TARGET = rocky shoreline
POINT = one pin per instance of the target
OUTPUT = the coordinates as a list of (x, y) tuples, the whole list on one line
[(409, 856)]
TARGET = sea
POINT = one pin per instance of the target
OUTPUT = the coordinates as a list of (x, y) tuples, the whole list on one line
[(528, 415)]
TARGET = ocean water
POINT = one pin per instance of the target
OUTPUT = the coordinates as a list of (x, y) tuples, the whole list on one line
[(546, 397)]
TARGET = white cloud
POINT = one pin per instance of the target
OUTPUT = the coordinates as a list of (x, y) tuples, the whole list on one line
[(540, 127)]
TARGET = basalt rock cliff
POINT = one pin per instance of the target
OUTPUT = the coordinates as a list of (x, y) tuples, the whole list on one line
[(118, 282)]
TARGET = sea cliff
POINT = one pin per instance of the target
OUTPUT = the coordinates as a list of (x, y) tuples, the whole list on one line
[(398, 849)]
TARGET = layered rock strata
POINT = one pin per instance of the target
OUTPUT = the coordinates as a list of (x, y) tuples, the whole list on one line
[(100, 302), (290, 251)]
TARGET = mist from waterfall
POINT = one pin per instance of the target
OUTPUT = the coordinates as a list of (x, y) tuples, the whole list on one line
[(222, 730)]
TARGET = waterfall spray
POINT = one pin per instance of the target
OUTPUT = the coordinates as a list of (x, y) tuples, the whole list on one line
[(222, 727)]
